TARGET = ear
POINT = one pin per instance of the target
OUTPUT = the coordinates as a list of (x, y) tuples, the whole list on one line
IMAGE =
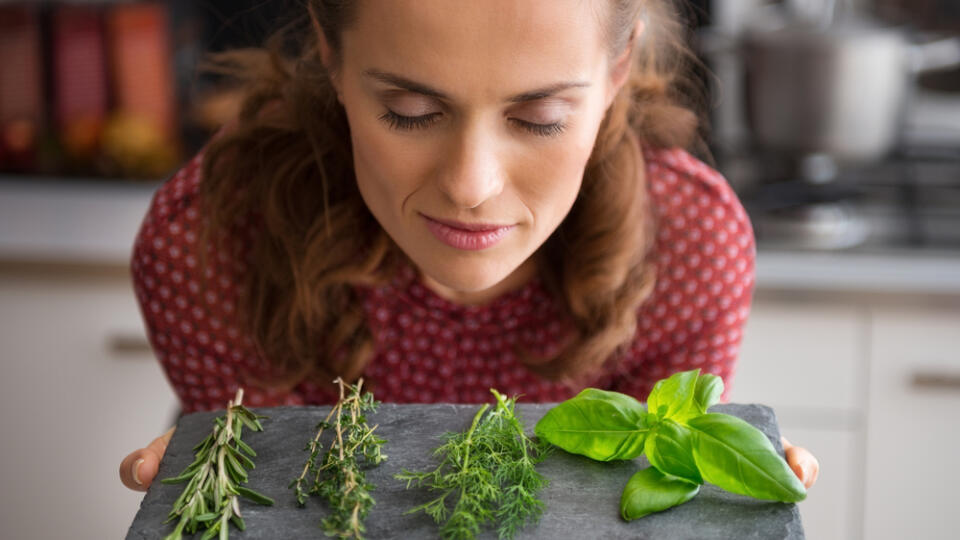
[(326, 53), (621, 66)]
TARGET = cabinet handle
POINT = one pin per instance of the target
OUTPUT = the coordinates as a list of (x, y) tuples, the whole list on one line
[(124, 344), (936, 380)]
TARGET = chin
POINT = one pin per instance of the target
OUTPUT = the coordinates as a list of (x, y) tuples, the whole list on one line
[(467, 276)]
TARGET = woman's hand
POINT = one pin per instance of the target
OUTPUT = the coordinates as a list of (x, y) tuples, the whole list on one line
[(803, 463), (138, 470)]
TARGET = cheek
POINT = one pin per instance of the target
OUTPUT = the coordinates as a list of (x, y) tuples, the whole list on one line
[(554, 180), (385, 175)]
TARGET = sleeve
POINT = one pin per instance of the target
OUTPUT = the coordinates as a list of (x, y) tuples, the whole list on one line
[(190, 313), (705, 256)]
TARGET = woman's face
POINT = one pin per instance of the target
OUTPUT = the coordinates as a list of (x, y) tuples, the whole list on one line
[(473, 115)]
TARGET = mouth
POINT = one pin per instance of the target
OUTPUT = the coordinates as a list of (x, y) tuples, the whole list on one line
[(467, 236)]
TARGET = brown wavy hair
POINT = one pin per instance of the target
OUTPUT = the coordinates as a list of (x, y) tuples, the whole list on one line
[(287, 163)]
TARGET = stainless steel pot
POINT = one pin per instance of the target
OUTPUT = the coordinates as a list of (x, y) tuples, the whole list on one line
[(837, 89)]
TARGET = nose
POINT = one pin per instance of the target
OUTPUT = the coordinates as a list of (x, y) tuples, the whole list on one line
[(473, 172)]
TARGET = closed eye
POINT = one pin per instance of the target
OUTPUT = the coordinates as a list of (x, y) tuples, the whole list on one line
[(409, 123)]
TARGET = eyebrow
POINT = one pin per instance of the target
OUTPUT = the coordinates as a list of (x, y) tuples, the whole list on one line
[(420, 88)]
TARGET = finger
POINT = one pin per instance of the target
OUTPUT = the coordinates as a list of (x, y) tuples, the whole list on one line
[(804, 465), (159, 445), (138, 470), (813, 471), (791, 456)]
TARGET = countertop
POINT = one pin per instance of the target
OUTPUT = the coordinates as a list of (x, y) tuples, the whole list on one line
[(71, 221)]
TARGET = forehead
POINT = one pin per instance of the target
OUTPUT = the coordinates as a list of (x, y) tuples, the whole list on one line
[(482, 48)]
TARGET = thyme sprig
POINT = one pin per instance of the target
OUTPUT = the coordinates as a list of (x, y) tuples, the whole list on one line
[(214, 479), (336, 475), (487, 473)]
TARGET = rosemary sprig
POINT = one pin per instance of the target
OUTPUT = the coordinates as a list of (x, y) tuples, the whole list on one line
[(487, 473), (336, 474), (214, 477)]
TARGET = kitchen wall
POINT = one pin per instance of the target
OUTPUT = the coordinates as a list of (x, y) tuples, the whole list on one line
[(852, 336)]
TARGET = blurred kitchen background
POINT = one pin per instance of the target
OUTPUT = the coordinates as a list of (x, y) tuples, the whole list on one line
[(837, 122)]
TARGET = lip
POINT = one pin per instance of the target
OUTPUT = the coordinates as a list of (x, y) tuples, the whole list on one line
[(467, 236)]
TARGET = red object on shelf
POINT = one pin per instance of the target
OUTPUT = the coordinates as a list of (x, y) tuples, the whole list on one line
[(21, 87), (141, 138), (142, 64), (79, 77)]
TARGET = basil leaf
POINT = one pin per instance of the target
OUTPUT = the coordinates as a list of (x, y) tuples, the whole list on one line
[(673, 397), (737, 457), (598, 424), (649, 491), (627, 401), (670, 449), (708, 391)]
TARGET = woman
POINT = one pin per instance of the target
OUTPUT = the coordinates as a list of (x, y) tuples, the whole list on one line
[(445, 197)]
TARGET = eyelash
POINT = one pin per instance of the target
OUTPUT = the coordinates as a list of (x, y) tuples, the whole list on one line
[(408, 123)]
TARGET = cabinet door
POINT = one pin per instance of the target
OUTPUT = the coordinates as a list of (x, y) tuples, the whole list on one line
[(913, 432), (806, 361), (803, 359), (72, 405), (832, 509)]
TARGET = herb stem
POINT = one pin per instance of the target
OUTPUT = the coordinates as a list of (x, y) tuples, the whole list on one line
[(336, 473), (314, 446), (211, 497), (488, 473)]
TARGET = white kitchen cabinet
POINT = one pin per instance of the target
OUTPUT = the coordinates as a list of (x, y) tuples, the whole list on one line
[(806, 360), (913, 433), (72, 402), (803, 357), (832, 508)]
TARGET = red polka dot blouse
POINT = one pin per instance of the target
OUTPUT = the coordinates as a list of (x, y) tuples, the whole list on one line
[(429, 349)]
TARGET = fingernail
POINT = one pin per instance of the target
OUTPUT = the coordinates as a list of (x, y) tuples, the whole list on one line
[(136, 471)]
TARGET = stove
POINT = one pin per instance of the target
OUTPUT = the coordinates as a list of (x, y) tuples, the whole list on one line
[(910, 200)]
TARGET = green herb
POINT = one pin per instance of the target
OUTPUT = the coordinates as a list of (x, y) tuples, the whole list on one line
[(486, 473), (686, 445), (598, 424), (336, 474), (214, 477)]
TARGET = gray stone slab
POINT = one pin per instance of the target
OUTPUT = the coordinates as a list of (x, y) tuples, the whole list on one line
[(582, 501)]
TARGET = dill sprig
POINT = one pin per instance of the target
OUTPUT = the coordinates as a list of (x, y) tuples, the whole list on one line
[(336, 474), (214, 478), (487, 473)]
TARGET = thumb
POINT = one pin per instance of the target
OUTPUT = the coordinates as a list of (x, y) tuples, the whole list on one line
[(138, 469)]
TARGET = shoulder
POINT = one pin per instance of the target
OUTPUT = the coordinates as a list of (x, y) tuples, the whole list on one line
[(173, 259), (697, 214), (677, 179), (190, 303), (703, 256), (170, 230)]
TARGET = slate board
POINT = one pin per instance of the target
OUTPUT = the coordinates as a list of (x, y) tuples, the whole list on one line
[(582, 500)]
